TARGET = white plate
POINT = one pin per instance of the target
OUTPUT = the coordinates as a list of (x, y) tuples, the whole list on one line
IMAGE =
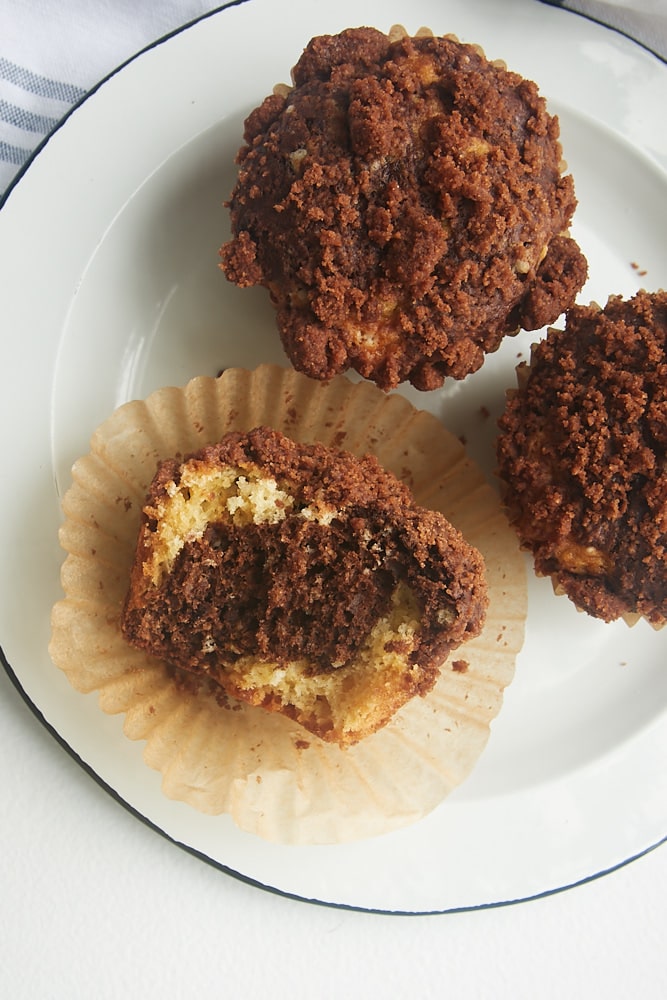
[(108, 257)]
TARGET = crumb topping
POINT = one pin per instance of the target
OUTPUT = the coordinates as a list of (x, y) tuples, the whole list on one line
[(582, 454), (405, 206)]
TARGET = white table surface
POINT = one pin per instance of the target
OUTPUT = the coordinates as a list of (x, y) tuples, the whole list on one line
[(95, 904)]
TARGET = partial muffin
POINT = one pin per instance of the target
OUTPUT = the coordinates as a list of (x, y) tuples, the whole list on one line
[(300, 579), (404, 204), (581, 453)]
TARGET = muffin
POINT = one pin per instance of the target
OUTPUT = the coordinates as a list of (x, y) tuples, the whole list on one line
[(218, 752), (300, 579), (581, 454), (405, 206)]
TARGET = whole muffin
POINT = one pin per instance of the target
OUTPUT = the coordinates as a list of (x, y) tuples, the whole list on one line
[(404, 204), (581, 454)]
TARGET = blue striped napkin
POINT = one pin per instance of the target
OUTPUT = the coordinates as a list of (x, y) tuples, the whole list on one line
[(52, 53), (31, 105)]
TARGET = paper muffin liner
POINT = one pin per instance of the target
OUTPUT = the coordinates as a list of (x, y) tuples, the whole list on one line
[(275, 779)]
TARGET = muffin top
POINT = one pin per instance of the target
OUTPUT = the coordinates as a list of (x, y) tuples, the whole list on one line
[(405, 206), (581, 453)]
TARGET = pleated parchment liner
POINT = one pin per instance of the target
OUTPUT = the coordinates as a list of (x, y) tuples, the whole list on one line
[(272, 777)]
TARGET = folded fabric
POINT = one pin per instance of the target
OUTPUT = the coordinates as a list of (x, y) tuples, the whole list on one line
[(52, 54), (643, 20)]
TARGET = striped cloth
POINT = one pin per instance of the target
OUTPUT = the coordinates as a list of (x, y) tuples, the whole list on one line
[(30, 106), (53, 51)]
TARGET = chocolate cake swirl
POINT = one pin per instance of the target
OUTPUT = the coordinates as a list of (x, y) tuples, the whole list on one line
[(301, 579)]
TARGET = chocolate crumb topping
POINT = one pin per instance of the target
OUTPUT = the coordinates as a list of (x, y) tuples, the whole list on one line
[(404, 205), (581, 452)]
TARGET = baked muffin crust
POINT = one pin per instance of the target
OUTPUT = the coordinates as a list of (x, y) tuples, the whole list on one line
[(581, 454), (405, 207)]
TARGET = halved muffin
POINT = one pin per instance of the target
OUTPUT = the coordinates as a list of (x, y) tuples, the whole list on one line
[(301, 579)]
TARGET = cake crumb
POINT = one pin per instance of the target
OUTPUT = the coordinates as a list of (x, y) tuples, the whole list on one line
[(322, 578)]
